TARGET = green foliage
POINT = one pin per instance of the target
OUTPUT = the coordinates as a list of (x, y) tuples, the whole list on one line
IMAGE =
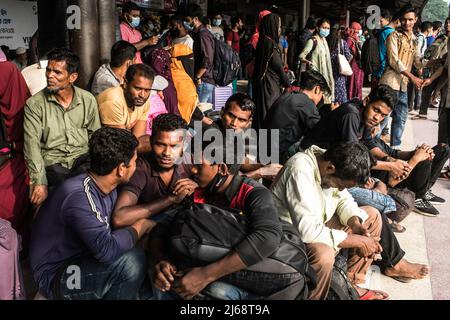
[(435, 10)]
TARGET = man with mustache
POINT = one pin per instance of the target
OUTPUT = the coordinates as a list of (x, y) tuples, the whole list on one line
[(160, 180), (128, 106), (58, 123)]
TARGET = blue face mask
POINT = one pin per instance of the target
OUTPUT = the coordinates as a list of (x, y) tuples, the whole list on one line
[(135, 21), (217, 22), (188, 26), (324, 33)]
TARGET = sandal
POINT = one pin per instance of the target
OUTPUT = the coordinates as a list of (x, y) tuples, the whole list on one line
[(445, 176), (402, 279), (371, 294), (396, 227)]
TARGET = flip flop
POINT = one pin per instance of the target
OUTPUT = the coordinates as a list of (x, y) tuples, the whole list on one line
[(402, 279), (396, 227), (445, 176), (372, 293)]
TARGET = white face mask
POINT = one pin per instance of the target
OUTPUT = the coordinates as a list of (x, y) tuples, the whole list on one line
[(151, 26), (217, 22)]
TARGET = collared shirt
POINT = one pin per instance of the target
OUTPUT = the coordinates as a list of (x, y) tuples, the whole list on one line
[(301, 200), (204, 53), (114, 110), (104, 79), (147, 184), (402, 53), (131, 35), (57, 135)]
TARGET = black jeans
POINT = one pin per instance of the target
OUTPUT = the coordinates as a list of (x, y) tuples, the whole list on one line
[(57, 174), (427, 92), (392, 252), (424, 175), (444, 118), (120, 280)]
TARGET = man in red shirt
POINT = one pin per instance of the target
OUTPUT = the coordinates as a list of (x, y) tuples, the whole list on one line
[(233, 38)]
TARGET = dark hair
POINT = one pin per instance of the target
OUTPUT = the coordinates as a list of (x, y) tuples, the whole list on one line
[(384, 93), (425, 26), (139, 69), (407, 8), (334, 38), (130, 6), (312, 78), (109, 147), (228, 146), (234, 21), (64, 54), (121, 52), (205, 20), (311, 23), (167, 122), (320, 22), (437, 25), (386, 14), (352, 161), (243, 101), (194, 10)]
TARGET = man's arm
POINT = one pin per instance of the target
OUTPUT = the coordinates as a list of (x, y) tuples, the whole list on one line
[(94, 232), (94, 118), (139, 131)]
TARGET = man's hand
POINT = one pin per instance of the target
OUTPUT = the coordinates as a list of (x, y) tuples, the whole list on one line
[(400, 168), (417, 82), (368, 246), (423, 153), (426, 83), (164, 275), (38, 194), (270, 171), (153, 40), (370, 184), (191, 284), (335, 105), (207, 121), (183, 188)]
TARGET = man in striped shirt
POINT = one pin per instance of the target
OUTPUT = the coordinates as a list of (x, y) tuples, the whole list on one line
[(75, 253)]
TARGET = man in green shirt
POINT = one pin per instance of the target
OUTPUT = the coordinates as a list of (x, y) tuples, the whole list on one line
[(59, 120)]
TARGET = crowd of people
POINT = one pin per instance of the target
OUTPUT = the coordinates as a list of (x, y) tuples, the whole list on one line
[(97, 175)]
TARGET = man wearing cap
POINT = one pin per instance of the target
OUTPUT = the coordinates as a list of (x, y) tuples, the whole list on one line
[(128, 106), (21, 59)]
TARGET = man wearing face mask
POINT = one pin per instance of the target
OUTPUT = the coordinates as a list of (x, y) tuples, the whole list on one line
[(179, 34), (216, 28), (59, 121), (113, 74), (131, 15), (203, 52)]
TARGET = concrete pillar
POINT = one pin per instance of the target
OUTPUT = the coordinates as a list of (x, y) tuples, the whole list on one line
[(106, 28), (52, 25), (304, 10), (85, 41)]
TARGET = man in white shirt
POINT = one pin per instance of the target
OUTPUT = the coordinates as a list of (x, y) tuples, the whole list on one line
[(310, 192)]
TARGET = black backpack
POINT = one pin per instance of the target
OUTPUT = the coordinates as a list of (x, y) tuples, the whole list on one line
[(341, 288), (226, 63), (204, 234), (370, 56)]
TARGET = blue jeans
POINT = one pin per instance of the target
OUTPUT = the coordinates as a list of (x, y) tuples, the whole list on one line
[(120, 280), (399, 117), (205, 92), (217, 290), (367, 197)]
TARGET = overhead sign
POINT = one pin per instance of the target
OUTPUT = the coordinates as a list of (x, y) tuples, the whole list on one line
[(18, 23)]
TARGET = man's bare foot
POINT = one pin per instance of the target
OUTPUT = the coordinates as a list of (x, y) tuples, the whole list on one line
[(407, 269)]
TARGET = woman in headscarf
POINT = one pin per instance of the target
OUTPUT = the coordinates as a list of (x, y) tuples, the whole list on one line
[(356, 80), (14, 202), (338, 46), (159, 59), (249, 50), (316, 55), (269, 76)]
